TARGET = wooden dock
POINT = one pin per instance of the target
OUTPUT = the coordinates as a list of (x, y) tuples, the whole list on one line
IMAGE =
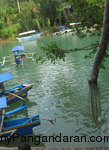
[(63, 148)]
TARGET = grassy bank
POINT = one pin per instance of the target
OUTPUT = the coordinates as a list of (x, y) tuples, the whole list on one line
[(3, 41)]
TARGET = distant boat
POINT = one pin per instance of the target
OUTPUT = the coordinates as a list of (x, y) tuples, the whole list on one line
[(29, 35), (63, 29), (74, 23), (14, 93)]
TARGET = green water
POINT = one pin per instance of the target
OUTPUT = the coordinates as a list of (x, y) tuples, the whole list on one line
[(63, 92)]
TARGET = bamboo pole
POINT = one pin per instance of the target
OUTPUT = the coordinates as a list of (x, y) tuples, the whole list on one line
[(3, 61), (17, 96), (3, 116), (7, 61)]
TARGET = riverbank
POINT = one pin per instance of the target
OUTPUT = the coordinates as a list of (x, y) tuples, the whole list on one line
[(3, 41)]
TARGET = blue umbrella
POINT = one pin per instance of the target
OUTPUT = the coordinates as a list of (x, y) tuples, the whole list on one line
[(17, 48)]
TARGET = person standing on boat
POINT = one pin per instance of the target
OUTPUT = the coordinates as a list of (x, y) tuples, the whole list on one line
[(18, 60)]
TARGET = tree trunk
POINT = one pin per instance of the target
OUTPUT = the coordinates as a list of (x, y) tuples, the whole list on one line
[(65, 15), (95, 104), (102, 45), (18, 4)]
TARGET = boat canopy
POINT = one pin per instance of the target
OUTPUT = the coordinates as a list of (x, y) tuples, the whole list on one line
[(61, 26), (17, 48), (28, 32), (5, 77), (3, 102), (72, 24)]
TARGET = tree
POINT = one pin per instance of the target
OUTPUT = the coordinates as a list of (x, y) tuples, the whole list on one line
[(48, 9), (102, 47), (26, 16), (101, 52)]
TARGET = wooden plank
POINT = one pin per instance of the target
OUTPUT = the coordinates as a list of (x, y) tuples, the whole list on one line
[(17, 96)]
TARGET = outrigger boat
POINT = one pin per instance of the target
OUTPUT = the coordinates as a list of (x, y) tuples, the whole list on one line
[(15, 93), (3, 101), (22, 126), (19, 55)]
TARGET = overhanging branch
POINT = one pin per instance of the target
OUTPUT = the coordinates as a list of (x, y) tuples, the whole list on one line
[(89, 47)]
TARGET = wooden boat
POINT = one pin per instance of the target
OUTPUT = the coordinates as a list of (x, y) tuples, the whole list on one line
[(22, 126), (9, 113), (19, 56), (29, 35), (15, 93)]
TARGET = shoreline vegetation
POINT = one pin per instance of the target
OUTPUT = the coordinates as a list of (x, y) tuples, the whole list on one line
[(7, 40), (43, 16), (3, 41)]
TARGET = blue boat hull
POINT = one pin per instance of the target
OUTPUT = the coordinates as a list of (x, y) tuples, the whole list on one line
[(30, 37), (7, 114), (22, 107), (19, 126)]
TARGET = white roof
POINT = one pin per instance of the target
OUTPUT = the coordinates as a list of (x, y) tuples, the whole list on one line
[(71, 24), (24, 33)]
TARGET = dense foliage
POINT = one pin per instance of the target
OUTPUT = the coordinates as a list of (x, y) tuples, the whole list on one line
[(22, 15)]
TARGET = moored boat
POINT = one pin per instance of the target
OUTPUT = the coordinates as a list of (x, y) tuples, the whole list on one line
[(3, 101), (14, 93), (29, 35), (21, 127)]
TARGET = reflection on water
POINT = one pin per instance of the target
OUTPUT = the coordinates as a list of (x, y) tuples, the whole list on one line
[(95, 104), (63, 92)]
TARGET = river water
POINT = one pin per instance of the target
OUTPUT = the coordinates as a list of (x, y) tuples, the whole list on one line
[(62, 93)]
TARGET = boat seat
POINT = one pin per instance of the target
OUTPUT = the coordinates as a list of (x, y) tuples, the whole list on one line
[(25, 84), (15, 90)]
